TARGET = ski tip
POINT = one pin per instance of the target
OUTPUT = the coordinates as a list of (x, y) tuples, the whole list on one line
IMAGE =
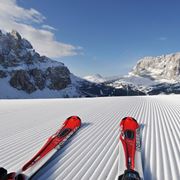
[(73, 119), (129, 121), (74, 116), (130, 118)]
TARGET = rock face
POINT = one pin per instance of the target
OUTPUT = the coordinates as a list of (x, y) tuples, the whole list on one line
[(21, 80), (26, 69), (58, 77), (2, 74), (161, 67)]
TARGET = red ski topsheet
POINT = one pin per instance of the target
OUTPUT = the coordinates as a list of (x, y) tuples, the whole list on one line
[(128, 127), (70, 125)]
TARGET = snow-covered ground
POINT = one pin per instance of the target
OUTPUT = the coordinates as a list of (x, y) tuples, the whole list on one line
[(92, 153)]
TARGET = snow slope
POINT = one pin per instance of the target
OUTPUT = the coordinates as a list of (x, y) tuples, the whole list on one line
[(97, 78), (92, 153)]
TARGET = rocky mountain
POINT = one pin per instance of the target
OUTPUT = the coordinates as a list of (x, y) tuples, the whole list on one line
[(151, 75), (24, 69), (165, 67), (163, 71), (24, 73)]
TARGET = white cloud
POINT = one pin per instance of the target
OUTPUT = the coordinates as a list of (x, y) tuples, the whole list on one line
[(163, 38), (25, 21), (47, 27)]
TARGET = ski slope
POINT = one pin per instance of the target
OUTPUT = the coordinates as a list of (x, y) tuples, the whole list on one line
[(92, 153)]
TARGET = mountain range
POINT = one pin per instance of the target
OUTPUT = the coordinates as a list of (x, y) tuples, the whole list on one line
[(151, 75), (24, 73)]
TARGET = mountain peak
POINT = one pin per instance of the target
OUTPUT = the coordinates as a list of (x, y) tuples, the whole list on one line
[(96, 78), (23, 69), (160, 67), (15, 34)]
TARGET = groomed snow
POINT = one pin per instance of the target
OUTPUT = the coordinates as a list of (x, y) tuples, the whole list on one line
[(92, 153)]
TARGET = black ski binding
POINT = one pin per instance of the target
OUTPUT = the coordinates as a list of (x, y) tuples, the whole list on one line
[(129, 174)]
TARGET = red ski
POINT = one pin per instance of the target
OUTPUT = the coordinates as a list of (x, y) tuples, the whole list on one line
[(130, 139), (54, 142)]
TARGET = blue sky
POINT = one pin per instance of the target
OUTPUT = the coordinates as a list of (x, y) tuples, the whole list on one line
[(110, 35)]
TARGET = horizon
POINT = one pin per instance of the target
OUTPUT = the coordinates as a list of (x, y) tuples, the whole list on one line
[(104, 37)]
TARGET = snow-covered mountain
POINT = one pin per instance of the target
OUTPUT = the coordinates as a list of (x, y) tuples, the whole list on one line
[(97, 78), (165, 68), (152, 75), (24, 73)]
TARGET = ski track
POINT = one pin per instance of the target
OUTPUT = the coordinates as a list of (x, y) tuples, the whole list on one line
[(92, 152)]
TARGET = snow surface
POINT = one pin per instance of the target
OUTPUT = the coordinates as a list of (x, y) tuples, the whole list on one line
[(92, 153)]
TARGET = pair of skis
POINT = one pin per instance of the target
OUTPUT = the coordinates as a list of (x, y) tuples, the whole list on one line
[(131, 145), (53, 144), (130, 166)]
